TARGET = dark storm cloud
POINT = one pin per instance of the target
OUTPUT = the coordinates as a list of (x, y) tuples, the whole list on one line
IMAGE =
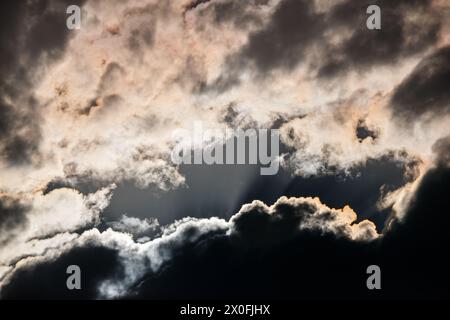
[(12, 217), (309, 264), (282, 43), (279, 44), (31, 34), (417, 247), (442, 150), (426, 91), (267, 256), (19, 133), (296, 27), (400, 36), (47, 280), (256, 237), (30, 30)]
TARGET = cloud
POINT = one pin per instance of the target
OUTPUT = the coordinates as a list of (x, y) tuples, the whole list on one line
[(424, 93), (331, 40), (142, 230), (282, 43), (19, 134), (420, 235), (407, 28), (441, 148), (296, 248), (12, 217), (108, 115), (85, 111), (40, 222), (33, 35), (221, 190), (256, 227), (411, 254), (97, 262)]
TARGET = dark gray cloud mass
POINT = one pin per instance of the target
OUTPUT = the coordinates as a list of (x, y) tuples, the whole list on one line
[(309, 264), (42, 281), (426, 91), (296, 27), (32, 34), (12, 218), (415, 249), (282, 43), (279, 44), (19, 133), (398, 38)]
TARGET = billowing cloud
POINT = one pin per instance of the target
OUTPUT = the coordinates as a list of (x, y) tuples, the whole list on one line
[(256, 227)]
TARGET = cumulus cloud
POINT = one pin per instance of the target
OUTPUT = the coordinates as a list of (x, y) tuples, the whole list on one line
[(256, 227)]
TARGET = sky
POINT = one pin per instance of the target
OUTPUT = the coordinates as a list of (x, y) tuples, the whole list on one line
[(87, 122)]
